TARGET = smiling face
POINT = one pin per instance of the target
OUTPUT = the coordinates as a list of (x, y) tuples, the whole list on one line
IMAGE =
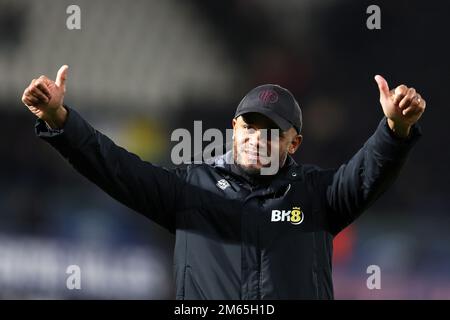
[(255, 147)]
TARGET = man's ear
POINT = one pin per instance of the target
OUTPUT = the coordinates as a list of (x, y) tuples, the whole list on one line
[(233, 124), (295, 144)]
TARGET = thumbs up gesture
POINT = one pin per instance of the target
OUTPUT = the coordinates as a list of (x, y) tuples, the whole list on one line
[(402, 106), (44, 98)]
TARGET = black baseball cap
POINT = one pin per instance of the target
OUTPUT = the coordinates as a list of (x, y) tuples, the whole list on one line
[(276, 103)]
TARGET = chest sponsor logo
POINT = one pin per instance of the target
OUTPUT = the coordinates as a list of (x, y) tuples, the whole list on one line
[(294, 216)]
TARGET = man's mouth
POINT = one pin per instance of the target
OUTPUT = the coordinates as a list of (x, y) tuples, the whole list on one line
[(254, 156)]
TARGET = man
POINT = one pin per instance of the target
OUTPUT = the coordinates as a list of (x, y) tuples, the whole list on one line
[(241, 234)]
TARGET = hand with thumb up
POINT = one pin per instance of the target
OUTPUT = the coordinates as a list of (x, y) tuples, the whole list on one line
[(44, 98)]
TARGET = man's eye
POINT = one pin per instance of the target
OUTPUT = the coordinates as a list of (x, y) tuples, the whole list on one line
[(245, 126)]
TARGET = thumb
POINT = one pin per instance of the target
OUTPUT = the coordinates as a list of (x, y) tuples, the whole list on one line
[(61, 76), (382, 86)]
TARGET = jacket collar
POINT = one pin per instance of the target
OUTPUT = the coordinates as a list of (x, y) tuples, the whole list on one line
[(289, 171)]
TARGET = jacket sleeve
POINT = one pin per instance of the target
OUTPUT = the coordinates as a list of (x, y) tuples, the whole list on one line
[(150, 190), (354, 186)]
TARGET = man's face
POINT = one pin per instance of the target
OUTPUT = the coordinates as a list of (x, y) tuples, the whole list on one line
[(253, 143)]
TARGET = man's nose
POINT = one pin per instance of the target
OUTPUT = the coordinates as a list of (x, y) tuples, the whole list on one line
[(253, 135), (258, 136)]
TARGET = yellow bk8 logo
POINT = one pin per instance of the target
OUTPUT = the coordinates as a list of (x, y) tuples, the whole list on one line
[(294, 216)]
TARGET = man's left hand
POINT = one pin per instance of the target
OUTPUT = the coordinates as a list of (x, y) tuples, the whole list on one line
[(402, 106)]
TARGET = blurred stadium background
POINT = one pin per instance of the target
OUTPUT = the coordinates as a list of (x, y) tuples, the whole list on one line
[(140, 69)]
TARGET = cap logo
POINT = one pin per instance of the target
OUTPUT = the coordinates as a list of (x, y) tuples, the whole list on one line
[(268, 96)]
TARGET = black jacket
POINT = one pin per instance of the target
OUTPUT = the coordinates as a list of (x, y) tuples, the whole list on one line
[(234, 239)]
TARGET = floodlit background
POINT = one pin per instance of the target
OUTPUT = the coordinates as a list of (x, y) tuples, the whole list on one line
[(140, 69)]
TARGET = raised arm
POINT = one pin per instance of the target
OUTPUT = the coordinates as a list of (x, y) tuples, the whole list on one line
[(148, 189), (353, 187)]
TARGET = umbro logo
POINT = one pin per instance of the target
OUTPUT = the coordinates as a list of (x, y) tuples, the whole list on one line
[(222, 184)]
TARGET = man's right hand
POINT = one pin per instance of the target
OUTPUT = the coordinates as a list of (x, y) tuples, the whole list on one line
[(44, 98)]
